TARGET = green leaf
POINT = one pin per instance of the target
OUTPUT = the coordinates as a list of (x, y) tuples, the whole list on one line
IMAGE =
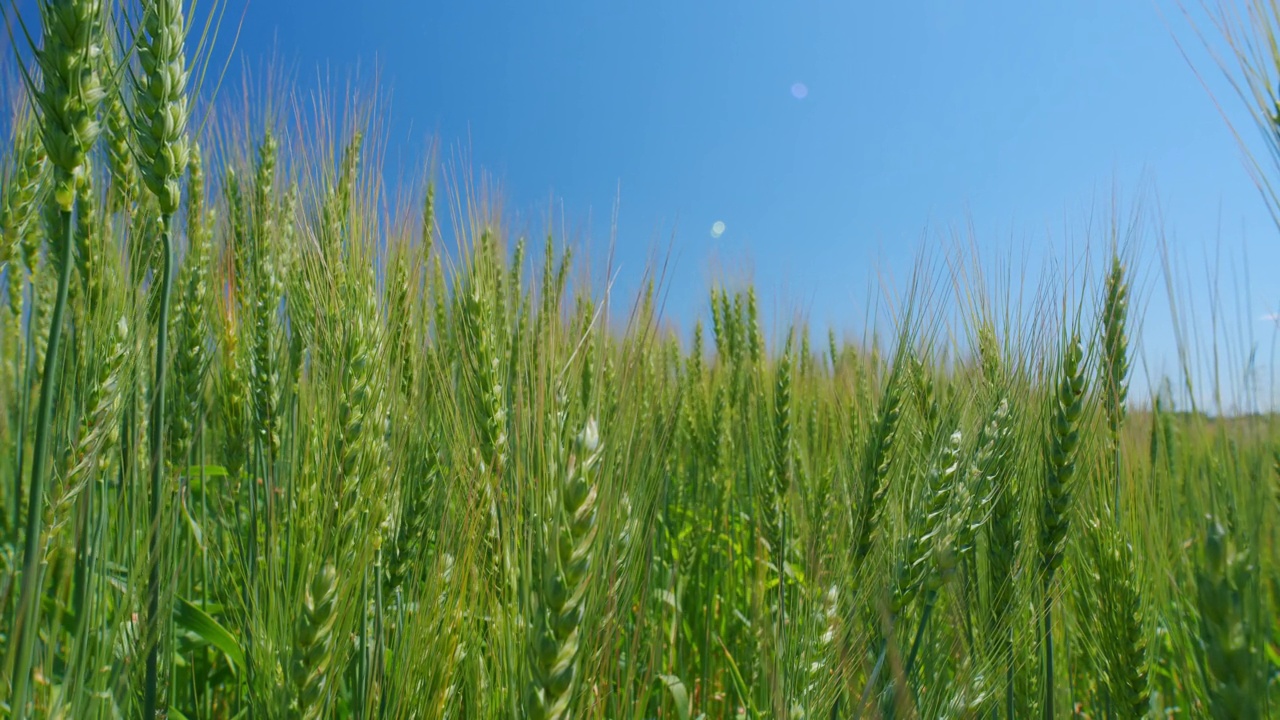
[(793, 572), (197, 621), (196, 531), (679, 695), (744, 693), (176, 714), (206, 471)]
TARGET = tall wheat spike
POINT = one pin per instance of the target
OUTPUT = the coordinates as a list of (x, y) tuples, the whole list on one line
[(191, 325), (1121, 631), (19, 216), (68, 101), (1003, 544), (554, 647), (121, 165), (313, 640), (1231, 661), (1115, 365), (1059, 473), (877, 462), (160, 133)]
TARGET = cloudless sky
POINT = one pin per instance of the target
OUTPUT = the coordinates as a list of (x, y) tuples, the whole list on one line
[(1012, 118)]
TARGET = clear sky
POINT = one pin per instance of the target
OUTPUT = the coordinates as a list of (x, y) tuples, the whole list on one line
[(915, 119)]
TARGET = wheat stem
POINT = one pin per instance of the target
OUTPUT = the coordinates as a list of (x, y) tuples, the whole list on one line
[(157, 470), (28, 607)]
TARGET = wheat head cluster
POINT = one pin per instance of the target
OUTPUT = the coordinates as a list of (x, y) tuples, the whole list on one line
[(280, 441)]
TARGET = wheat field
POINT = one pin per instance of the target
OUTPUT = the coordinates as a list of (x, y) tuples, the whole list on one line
[(278, 440)]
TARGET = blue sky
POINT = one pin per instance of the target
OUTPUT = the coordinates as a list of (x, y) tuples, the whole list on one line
[(1010, 118)]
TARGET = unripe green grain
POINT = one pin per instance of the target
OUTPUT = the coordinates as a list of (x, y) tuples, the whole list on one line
[(1121, 630), (718, 320), (68, 100), (877, 462), (482, 318), (120, 162), (160, 114), (806, 352), (1060, 468), (402, 319), (782, 424), (69, 60), (1232, 661), (264, 195), (429, 221), (1115, 366), (348, 173), (233, 398), (89, 260), (439, 303), (360, 442), (776, 496), (755, 341), (266, 287), (100, 426), (1060, 457), (546, 290), (1003, 542), (989, 355), (192, 327), (931, 551), (513, 295), (562, 276), (923, 392), (313, 646), (553, 648), (160, 144), (19, 207), (1115, 345), (732, 309)]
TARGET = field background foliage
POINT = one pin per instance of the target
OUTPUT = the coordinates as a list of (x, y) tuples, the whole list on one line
[(278, 440)]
